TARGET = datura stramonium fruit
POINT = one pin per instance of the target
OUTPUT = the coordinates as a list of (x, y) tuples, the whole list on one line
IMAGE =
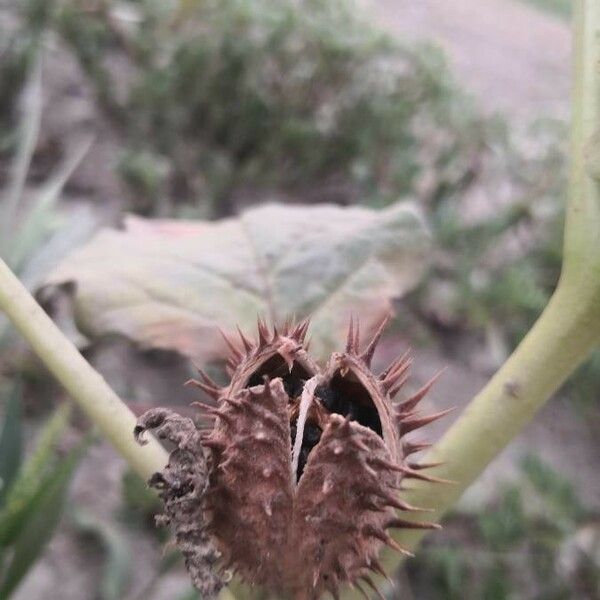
[(295, 483)]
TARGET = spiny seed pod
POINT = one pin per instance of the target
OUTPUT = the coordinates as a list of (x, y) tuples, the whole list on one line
[(295, 485)]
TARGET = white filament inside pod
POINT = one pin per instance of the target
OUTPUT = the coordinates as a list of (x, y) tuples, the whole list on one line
[(308, 394)]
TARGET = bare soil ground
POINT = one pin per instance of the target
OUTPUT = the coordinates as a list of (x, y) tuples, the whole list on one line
[(514, 59)]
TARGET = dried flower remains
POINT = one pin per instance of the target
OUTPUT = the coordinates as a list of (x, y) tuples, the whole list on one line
[(295, 484)]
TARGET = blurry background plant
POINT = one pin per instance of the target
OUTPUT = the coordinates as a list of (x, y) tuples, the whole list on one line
[(236, 95), (33, 493), (535, 540), (202, 108)]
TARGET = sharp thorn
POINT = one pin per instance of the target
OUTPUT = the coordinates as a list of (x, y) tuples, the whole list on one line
[(213, 411), (412, 402), (344, 427), (223, 415), (410, 424), (350, 338), (369, 504), (382, 463), (234, 351), (410, 474), (213, 392), (409, 448), (366, 468), (302, 330), (205, 377), (248, 346), (267, 386), (207, 408), (356, 343), (369, 351), (233, 402), (406, 507), (377, 567), (371, 531), (360, 589), (359, 444), (394, 502), (263, 333), (397, 523), (400, 371), (398, 386), (394, 364), (421, 466), (372, 585)]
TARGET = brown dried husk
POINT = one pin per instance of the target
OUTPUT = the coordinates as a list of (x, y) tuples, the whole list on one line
[(300, 521)]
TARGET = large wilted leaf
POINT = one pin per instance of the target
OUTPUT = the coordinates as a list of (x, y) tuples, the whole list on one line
[(168, 284)]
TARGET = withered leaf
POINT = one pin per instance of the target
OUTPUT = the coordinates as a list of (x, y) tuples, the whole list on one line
[(168, 284)]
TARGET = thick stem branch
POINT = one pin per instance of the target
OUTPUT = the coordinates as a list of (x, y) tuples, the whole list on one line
[(582, 228), (557, 344), (85, 385)]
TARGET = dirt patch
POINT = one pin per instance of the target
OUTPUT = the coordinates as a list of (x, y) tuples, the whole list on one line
[(513, 58)]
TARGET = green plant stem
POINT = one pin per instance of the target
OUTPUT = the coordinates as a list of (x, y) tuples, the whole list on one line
[(581, 267), (85, 385), (565, 333), (557, 344)]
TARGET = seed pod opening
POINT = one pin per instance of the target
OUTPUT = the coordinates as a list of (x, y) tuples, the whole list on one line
[(273, 354), (303, 464)]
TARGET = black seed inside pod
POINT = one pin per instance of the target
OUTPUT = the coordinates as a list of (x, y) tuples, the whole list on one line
[(329, 399), (293, 385), (352, 401), (293, 379), (311, 437)]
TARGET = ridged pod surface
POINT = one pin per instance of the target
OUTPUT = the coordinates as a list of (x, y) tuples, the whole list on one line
[(295, 485)]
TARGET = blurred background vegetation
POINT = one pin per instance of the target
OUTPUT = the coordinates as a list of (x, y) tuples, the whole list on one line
[(201, 108)]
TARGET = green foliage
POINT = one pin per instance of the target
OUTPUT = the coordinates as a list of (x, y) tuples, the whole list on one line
[(18, 500), (497, 273), (29, 219), (584, 388), (561, 8), (11, 441), (117, 562), (501, 268), (190, 595), (34, 234), (511, 548), (18, 53), (31, 507), (145, 173), (560, 499), (502, 527), (440, 573), (140, 503), (222, 95)]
